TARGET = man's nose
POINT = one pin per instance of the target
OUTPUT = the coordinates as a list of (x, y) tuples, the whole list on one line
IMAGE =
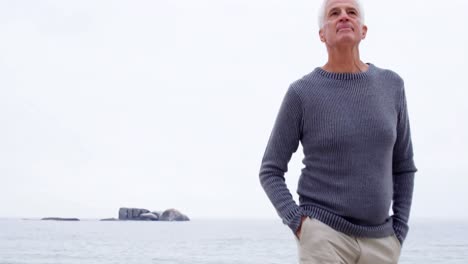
[(344, 16)]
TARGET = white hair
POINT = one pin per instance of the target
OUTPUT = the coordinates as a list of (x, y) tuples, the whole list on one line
[(321, 15)]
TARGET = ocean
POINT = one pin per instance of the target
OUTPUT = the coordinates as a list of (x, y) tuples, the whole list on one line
[(196, 242)]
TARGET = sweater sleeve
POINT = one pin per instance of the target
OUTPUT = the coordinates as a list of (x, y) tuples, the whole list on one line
[(403, 172), (283, 142)]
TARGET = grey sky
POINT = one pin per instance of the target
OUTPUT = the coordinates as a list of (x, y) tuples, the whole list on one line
[(161, 104)]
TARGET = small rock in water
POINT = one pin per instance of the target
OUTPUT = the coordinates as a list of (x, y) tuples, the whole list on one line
[(149, 216), (173, 215)]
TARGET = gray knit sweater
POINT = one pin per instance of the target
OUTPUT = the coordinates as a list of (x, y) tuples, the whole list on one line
[(358, 155)]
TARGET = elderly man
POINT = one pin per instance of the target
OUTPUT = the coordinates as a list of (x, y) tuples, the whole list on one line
[(352, 121)]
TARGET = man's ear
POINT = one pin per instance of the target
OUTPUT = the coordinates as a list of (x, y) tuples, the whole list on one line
[(364, 32), (322, 35)]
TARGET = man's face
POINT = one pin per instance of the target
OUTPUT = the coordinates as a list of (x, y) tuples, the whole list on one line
[(342, 24)]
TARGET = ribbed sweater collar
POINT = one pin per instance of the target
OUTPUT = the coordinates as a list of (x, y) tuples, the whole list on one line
[(346, 76)]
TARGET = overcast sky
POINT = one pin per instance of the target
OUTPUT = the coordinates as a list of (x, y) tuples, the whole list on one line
[(169, 104)]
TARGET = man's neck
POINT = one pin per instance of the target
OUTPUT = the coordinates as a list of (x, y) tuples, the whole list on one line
[(344, 61)]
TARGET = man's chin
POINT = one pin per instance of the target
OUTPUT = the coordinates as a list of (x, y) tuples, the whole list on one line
[(348, 40)]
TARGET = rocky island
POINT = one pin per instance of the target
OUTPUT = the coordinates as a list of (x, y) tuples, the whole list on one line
[(136, 214), (140, 214)]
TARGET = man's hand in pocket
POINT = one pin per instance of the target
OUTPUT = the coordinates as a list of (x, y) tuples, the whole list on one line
[(298, 232)]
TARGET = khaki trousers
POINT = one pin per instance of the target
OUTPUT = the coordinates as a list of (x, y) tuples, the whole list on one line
[(321, 244)]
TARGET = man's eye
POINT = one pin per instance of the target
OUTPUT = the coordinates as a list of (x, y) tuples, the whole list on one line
[(334, 13), (352, 12)]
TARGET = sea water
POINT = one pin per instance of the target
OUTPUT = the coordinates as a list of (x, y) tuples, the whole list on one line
[(196, 241)]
